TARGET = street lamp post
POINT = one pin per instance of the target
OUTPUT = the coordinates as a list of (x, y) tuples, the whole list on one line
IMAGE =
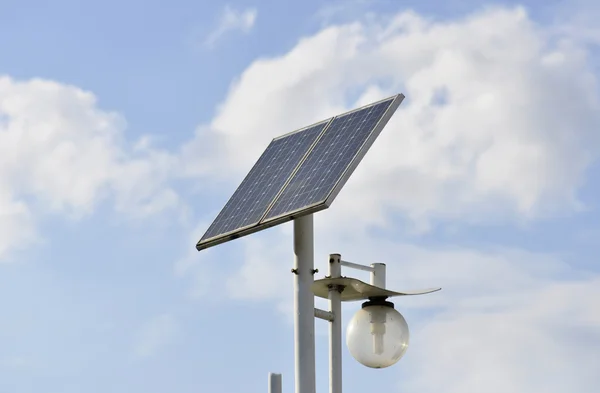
[(301, 173), (304, 305), (377, 335)]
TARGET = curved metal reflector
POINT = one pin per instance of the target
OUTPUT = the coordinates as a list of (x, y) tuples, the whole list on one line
[(355, 289)]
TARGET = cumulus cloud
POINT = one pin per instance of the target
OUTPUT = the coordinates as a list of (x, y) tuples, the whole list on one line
[(542, 340), (231, 20), (16, 224), (499, 122), (505, 318), (60, 153), (333, 11)]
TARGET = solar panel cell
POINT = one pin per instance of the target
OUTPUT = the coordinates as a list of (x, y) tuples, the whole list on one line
[(264, 181), (323, 168)]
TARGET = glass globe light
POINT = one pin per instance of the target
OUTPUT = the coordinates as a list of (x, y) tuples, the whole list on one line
[(377, 335)]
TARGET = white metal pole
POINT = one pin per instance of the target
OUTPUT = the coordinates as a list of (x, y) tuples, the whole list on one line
[(335, 327), (378, 275), (304, 305), (274, 383)]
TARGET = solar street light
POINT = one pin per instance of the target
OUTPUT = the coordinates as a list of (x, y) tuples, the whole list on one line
[(377, 335), (298, 174)]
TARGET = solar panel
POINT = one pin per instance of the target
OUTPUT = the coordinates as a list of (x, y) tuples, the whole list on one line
[(323, 168), (264, 181), (300, 173)]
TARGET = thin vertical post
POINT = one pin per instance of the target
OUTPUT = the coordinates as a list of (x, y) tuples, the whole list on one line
[(274, 383), (335, 326), (304, 305), (378, 275)]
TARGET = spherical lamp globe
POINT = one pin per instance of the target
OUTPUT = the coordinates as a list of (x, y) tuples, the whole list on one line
[(377, 335)]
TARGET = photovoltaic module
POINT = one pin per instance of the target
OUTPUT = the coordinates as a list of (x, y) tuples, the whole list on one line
[(300, 173)]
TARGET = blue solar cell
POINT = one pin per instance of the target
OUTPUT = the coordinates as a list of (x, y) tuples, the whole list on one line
[(324, 167), (265, 180)]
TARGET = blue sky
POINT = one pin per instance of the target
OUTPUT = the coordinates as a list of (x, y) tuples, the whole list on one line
[(124, 128)]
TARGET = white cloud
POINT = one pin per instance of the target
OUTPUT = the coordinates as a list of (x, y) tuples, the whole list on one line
[(262, 275), (499, 122), (543, 340), (201, 269), (333, 11), (59, 153), (16, 225), (155, 335), (231, 20), (578, 19), (505, 318)]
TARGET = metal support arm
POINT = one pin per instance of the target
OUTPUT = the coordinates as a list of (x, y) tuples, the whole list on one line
[(357, 266), (325, 315), (335, 327)]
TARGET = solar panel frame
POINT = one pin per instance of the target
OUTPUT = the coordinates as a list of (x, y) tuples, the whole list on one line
[(362, 151), (265, 223), (257, 225)]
